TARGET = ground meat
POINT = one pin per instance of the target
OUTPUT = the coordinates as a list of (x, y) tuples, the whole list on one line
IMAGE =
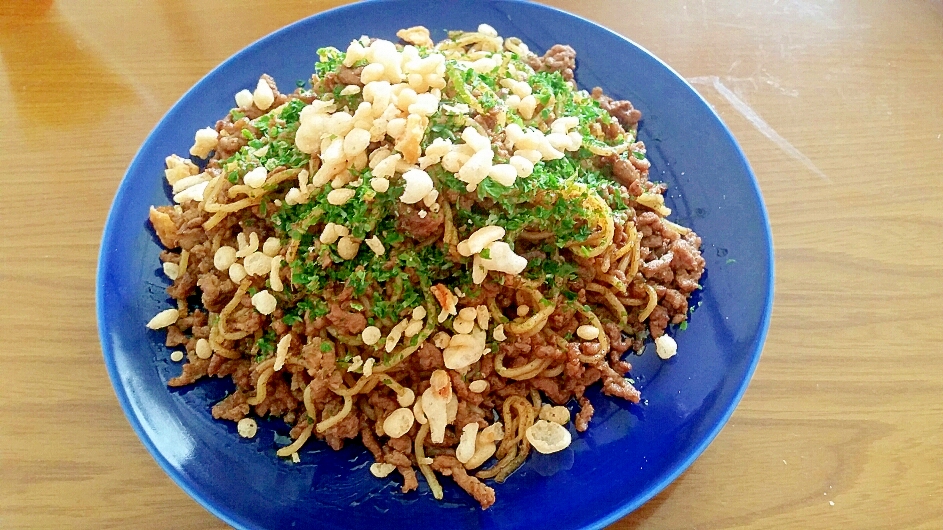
[(183, 286), (190, 233), (397, 458), (687, 282), (229, 145), (488, 291), (620, 367), (551, 389), (469, 413), (517, 347), (248, 319), (403, 444), (581, 421), (648, 223), (430, 357), (233, 407), (345, 321), (195, 319), (216, 293), (349, 76), (345, 76), (192, 371), (410, 223), (348, 428), (573, 367), (370, 442), (279, 398), (686, 255), (675, 302), (559, 58), (624, 172), (216, 365), (489, 120), (621, 110), (658, 321), (382, 402), (659, 269), (175, 337), (410, 482), (460, 388), (230, 137), (617, 342), (449, 465), (563, 319), (614, 384)]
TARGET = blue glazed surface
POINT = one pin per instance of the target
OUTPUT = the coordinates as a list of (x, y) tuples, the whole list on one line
[(630, 453)]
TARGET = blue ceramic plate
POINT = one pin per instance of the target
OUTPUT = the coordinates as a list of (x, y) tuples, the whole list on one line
[(630, 452)]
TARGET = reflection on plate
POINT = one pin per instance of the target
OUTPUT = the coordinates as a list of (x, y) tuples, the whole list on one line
[(630, 453)]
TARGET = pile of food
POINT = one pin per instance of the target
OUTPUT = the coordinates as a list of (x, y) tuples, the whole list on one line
[(432, 247)]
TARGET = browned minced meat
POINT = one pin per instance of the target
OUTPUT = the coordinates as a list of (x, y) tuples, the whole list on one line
[(345, 76), (559, 58), (584, 415), (370, 442), (405, 468), (397, 458), (216, 292), (348, 428), (175, 337), (230, 136), (673, 264), (383, 405), (469, 412), (616, 341), (489, 121), (625, 172), (403, 445), (460, 389), (621, 110), (430, 357), (197, 318), (614, 384), (551, 388), (410, 481), (659, 269), (688, 263), (233, 407), (279, 398), (347, 322), (182, 286), (658, 321), (675, 302), (449, 465), (190, 228), (412, 224), (192, 372)]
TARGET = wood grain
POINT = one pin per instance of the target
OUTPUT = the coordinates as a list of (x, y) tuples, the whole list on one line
[(837, 104)]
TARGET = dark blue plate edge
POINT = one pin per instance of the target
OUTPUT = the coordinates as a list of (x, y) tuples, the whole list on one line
[(232, 519)]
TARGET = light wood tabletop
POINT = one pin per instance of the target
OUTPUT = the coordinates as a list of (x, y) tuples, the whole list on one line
[(838, 105)]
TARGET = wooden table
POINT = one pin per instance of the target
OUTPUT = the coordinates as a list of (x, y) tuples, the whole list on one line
[(838, 105)]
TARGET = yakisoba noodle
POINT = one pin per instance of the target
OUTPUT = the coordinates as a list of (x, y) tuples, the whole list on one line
[(429, 247)]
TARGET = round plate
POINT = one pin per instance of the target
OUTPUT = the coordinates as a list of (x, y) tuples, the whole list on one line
[(630, 453)]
